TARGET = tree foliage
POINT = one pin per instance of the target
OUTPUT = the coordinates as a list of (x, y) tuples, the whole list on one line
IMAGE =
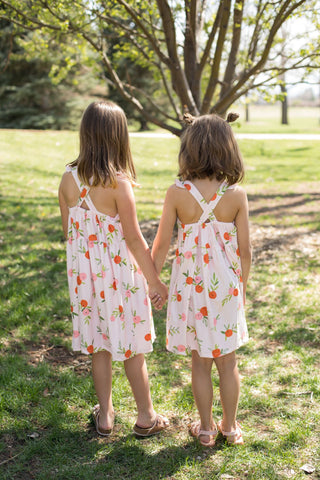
[(43, 85), (205, 54)]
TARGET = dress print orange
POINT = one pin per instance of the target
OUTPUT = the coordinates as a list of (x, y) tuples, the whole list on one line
[(101, 267), (205, 305)]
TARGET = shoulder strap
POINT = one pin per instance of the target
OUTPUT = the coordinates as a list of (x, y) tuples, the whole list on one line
[(193, 190), (206, 207), (84, 189)]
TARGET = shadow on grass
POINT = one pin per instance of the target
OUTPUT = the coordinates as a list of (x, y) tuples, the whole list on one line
[(45, 434), (281, 203), (61, 454), (297, 336)]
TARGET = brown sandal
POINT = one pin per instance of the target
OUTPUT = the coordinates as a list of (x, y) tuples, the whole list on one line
[(104, 432), (196, 432), (160, 423), (234, 437)]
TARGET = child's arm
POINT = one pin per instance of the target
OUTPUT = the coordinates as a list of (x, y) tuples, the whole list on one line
[(136, 243), (162, 241), (64, 210), (243, 235)]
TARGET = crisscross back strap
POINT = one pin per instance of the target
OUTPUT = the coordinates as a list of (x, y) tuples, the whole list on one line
[(206, 207), (84, 189), (209, 207), (193, 190)]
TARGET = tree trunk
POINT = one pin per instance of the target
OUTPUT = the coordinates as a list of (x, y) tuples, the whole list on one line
[(284, 105)]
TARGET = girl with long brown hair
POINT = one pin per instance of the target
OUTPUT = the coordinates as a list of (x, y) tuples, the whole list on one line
[(110, 270)]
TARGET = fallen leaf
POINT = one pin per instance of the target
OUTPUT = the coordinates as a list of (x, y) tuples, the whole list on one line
[(307, 468)]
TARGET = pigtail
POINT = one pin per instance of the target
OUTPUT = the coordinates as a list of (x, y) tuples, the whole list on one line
[(232, 117), (188, 119)]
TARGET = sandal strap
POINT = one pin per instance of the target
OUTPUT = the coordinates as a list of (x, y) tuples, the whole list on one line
[(207, 432), (159, 424), (233, 433)]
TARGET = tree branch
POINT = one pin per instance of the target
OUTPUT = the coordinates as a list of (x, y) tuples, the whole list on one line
[(133, 100), (7, 60), (217, 58), (32, 20), (130, 34), (190, 50), (165, 83), (179, 81), (150, 100), (152, 39), (211, 38), (252, 50), (170, 96), (285, 11), (236, 35)]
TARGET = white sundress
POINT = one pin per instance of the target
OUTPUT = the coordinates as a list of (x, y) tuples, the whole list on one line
[(110, 307), (205, 306)]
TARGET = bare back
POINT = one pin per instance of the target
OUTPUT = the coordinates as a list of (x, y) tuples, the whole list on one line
[(103, 198), (189, 210)]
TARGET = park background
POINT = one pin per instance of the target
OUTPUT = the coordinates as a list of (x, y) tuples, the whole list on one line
[(46, 391)]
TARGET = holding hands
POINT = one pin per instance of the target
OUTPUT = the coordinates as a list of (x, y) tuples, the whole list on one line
[(158, 294)]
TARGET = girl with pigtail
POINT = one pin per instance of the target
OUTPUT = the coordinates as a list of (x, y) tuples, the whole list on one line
[(209, 276)]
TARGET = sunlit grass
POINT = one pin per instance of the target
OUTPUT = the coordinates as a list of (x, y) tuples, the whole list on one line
[(267, 119), (47, 391)]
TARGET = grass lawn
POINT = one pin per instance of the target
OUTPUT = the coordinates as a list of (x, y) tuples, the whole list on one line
[(46, 391), (267, 119)]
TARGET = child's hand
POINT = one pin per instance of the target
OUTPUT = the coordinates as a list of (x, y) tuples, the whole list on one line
[(158, 295)]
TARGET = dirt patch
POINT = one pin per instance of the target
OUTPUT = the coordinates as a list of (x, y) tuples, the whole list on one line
[(58, 356), (270, 240)]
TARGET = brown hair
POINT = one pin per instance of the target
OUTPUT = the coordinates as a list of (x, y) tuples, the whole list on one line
[(209, 149), (104, 145)]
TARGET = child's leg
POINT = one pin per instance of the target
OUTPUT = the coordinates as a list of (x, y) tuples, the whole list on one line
[(137, 374), (202, 389), (229, 389), (102, 379)]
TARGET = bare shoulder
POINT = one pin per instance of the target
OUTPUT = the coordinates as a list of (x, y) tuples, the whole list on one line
[(66, 176), (237, 194), (173, 189), (123, 182), (123, 187), (66, 180), (175, 193)]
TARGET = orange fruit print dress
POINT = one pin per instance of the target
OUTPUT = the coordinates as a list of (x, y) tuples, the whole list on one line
[(205, 306), (110, 307)]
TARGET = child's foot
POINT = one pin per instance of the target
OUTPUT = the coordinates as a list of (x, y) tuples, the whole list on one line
[(160, 423), (105, 432), (233, 437), (207, 438)]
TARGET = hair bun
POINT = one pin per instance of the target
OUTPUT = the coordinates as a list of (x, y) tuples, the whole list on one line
[(188, 118), (232, 117)]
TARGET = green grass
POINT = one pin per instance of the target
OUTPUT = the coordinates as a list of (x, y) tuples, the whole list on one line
[(267, 119), (46, 391)]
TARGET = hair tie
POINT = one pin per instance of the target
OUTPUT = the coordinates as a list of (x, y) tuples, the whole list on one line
[(232, 117), (188, 118)]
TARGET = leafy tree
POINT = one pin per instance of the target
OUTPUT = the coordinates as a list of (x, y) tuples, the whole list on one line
[(137, 76), (31, 93), (206, 54)]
